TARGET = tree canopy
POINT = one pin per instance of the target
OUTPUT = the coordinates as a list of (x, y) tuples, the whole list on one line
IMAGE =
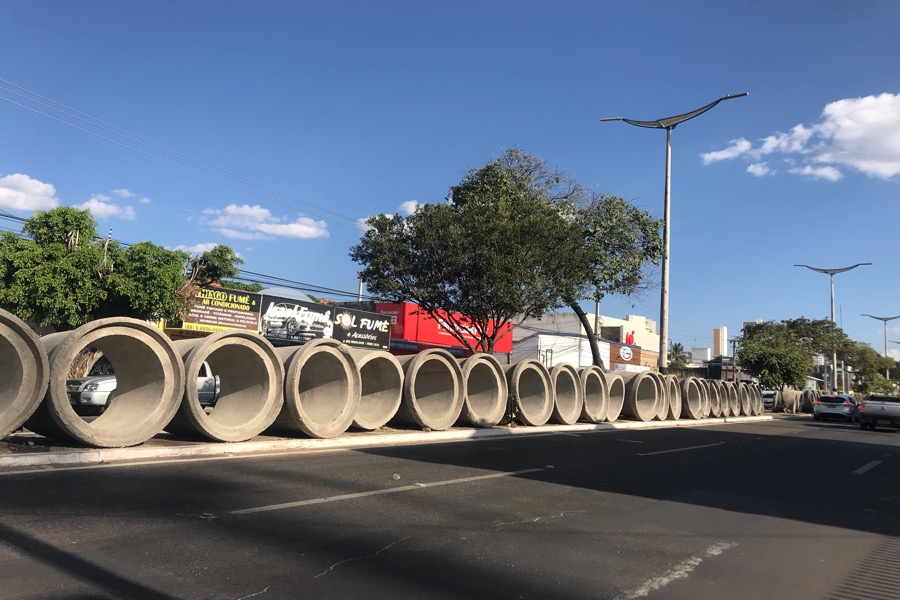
[(64, 275), (772, 352), (514, 238)]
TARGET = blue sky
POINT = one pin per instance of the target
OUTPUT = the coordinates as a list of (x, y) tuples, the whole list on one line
[(274, 127)]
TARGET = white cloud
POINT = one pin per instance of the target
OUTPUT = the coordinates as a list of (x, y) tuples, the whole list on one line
[(247, 222), (198, 248), (408, 207), (21, 192), (737, 148), (862, 134), (101, 206), (760, 169), (827, 173), (362, 224), (122, 193)]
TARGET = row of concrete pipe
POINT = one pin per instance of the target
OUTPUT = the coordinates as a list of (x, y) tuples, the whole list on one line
[(320, 389)]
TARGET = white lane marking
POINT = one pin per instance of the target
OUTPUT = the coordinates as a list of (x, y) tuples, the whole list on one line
[(632, 441), (867, 467), (405, 488), (679, 571), (680, 449)]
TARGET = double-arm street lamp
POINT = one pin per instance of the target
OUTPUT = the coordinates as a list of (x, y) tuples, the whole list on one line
[(887, 373), (668, 123), (831, 273)]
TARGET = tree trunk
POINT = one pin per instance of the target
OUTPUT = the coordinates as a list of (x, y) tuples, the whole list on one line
[(591, 334)]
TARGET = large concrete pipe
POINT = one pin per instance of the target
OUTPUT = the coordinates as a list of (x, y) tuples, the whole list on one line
[(249, 376), (756, 395), (616, 386), (568, 397), (662, 390), (485, 390), (734, 401), (596, 394), (381, 377), (321, 389), (530, 391), (432, 390), (641, 396), (808, 401), (744, 395), (704, 398), (674, 394), (723, 397), (691, 398), (790, 400), (149, 383), (24, 372), (715, 401)]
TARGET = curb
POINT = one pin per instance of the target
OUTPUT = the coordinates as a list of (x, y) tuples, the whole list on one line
[(94, 456)]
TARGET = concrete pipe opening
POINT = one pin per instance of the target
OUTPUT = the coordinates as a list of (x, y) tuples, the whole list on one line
[(485, 390), (234, 385), (724, 405), (616, 386), (530, 392), (596, 394), (760, 408), (149, 382), (674, 393), (704, 398), (641, 396), (691, 398), (24, 372), (662, 388), (381, 376), (321, 389), (715, 401), (744, 395), (568, 397), (432, 390)]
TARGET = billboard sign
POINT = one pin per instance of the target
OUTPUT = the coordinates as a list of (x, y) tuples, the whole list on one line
[(218, 309)]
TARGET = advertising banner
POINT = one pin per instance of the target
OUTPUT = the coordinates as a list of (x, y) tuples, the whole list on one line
[(286, 321), (410, 323), (218, 309), (362, 329)]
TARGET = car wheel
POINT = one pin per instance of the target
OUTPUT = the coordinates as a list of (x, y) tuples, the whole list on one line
[(109, 399)]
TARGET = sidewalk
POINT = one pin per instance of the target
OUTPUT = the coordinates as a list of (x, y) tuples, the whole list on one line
[(29, 452)]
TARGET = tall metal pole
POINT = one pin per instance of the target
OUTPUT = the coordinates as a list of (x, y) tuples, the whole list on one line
[(669, 123), (663, 363), (887, 371)]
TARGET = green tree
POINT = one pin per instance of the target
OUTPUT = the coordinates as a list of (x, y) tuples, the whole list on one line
[(507, 243), (774, 353), (678, 357), (619, 242), (214, 265), (868, 369)]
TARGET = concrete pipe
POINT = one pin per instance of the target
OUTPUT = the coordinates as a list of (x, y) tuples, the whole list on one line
[(530, 391), (149, 384), (807, 401), (674, 398), (744, 393), (321, 389), (691, 398), (616, 386), (568, 397), (241, 394), (704, 398), (734, 401), (381, 377), (24, 372), (757, 399), (641, 396), (596, 394), (715, 401), (432, 390), (485, 390), (662, 389), (724, 405)]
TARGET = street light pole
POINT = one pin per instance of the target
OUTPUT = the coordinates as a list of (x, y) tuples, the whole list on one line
[(831, 273), (668, 123), (887, 372)]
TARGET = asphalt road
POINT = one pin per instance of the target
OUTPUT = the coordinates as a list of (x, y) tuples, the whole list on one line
[(782, 509)]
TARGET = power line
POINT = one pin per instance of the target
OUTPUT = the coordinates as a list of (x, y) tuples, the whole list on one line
[(72, 113)]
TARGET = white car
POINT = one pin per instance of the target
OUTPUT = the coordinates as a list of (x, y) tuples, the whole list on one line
[(91, 396)]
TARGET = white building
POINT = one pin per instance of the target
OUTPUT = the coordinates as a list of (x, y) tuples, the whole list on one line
[(700, 355)]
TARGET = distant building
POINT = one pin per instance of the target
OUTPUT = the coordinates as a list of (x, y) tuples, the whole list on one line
[(720, 341), (700, 355)]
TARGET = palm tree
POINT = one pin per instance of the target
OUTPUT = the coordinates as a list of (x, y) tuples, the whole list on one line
[(678, 358)]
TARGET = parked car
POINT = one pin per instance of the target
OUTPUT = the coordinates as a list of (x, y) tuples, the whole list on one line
[(768, 399), (878, 409), (835, 405), (91, 396)]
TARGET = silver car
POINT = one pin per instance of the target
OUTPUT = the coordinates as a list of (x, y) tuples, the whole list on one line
[(837, 405)]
